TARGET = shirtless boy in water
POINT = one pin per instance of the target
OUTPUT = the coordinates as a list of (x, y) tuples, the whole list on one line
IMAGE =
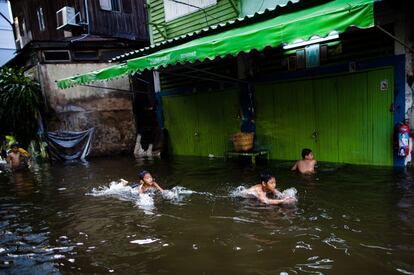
[(307, 164), (15, 158), (267, 185), (147, 183)]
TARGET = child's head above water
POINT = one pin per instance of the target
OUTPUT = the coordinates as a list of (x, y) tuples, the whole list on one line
[(266, 176), (15, 147), (145, 177), (307, 153), (268, 180)]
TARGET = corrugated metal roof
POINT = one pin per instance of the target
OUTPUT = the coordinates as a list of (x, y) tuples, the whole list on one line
[(260, 15)]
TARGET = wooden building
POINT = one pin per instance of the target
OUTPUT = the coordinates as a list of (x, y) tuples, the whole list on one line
[(59, 38)]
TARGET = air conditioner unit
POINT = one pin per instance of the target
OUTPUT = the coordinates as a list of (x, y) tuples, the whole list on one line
[(66, 17)]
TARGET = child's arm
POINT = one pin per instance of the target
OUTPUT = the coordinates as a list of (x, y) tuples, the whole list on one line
[(295, 167), (277, 193), (9, 159), (271, 201), (158, 187), (140, 189)]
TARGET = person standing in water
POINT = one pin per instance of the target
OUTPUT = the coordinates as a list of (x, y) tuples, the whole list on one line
[(307, 164), (147, 183), (267, 185), (15, 158)]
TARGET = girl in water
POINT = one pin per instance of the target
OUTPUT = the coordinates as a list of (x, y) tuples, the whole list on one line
[(147, 183)]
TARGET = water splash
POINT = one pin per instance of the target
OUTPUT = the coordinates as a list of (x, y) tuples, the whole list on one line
[(243, 192), (176, 193), (240, 192), (126, 193), (143, 201)]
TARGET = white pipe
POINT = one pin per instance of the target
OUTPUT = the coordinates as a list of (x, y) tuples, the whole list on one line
[(87, 14), (311, 41)]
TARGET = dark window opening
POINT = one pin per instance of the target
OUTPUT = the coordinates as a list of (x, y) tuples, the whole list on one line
[(56, 56), (85, 55)]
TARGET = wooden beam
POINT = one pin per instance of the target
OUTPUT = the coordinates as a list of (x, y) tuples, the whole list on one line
[(164, 35), (235, 7)]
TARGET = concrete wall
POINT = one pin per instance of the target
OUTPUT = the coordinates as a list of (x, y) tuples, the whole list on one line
[(80, 108)]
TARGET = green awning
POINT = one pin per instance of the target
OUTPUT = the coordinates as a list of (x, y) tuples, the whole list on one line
[(102, 74), (321, 20)]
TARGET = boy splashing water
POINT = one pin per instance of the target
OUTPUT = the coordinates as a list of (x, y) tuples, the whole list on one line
[(147, 183), (267, 185)]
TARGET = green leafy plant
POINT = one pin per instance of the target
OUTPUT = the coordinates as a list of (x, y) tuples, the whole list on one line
[(21, 104)]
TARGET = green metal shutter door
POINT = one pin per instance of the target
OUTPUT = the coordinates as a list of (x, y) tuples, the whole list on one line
[(285, 118), (349, 113), (381, 116), (177, 113), (352, 119), (326, 110), (201, 124)]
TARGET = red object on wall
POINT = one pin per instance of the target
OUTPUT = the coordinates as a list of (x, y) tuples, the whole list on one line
[(403, 132)]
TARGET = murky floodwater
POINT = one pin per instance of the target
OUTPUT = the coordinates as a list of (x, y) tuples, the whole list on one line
[(68, 219)]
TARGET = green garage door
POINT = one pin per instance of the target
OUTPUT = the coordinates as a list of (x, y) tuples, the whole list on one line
[(201, 124), (342, 118)]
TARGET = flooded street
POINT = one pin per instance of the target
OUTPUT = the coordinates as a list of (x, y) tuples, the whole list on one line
[(66, 218)]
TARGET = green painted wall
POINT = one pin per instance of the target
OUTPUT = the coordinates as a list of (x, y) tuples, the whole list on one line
[(201, 124), (349, 113), (223, 11)]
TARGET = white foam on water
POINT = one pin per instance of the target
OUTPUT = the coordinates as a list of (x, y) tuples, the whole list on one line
[(177, 193), (116, 190), (243, 192), (126, 193), (289, 193), (143, 201), (144, 241), (405, 271)]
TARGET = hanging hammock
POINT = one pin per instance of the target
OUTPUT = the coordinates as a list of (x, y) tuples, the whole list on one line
[(69, 145)]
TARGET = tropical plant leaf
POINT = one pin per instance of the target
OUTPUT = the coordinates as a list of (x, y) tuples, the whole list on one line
[(21, 103)]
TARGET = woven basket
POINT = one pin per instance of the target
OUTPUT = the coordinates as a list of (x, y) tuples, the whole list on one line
[(243, 141)]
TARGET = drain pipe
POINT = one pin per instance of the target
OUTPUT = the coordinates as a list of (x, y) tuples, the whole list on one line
[(87, 15), (87, 23)]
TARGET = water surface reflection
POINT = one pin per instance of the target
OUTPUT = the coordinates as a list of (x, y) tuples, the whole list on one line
[(348, 219)]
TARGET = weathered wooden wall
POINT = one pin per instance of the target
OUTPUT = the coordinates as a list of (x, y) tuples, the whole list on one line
[(129, 23)]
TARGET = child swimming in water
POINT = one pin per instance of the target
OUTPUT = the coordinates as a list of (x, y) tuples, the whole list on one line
[(307, 164), (267, 185), (147, 183)]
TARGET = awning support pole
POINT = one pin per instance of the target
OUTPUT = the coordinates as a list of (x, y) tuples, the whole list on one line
[(196, 77), (395, 38), (218, 75), (113, 89)]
